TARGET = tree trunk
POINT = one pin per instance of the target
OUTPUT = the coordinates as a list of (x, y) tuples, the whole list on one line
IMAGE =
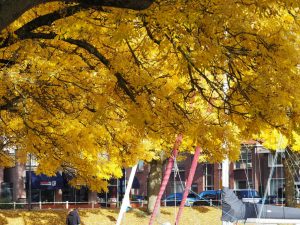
[(289, 180), (153, 183)]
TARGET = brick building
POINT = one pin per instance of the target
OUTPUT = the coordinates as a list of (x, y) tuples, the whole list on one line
[(14, 186), (251, 170)]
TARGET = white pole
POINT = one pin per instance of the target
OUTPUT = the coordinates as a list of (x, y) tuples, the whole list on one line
[(225, 163), (225, 173), (225, 180), (126, 202)]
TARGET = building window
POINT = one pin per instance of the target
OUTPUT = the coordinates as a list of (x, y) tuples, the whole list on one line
[(68, 194), (245, 160), (140, 166), (277, 186), (38, 195), (177, 186), (47, 195), (75, 195), (278, 162), (243, 184), (179, 173), (31, 163), (177, 179), (208, 176), (6, 191), (35, 195), (194, 187)]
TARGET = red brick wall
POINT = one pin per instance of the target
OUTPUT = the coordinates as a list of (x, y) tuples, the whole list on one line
[(217, 177), (142, 176), (259, 174)]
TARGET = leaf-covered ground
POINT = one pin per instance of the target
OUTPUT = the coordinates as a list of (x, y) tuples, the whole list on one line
[(191, 216)]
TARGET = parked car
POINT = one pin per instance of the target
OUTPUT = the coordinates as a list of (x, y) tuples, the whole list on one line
[(172, 199), (248, 195), (210, 197), (270, 199), (176, 198), (191, 199)]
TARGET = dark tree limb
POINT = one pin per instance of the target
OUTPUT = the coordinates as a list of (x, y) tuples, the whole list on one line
[(9, 104), (48, 19), (11, 10), (6, 63)]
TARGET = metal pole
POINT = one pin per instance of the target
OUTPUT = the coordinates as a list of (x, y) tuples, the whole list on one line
[(225, 173), (166, 178), (225, 180), (188, 183), (29, 184), (118, 193), (126, 201)]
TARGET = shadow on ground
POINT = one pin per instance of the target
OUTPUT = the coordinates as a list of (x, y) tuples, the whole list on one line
[(201, 209), (139, 213), (111, 218)]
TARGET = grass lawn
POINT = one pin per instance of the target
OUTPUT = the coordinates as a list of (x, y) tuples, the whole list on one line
[(191, 216)]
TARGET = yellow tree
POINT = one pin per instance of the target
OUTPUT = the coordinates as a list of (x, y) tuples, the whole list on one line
[(96, 89)]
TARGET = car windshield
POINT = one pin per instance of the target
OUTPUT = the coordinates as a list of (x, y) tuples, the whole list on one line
[(173, 196), (191, 196), (247, 194), (206, 193)]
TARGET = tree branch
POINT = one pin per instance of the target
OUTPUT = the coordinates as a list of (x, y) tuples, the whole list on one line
[(122, 83), (9, 104), (11, 10), (6, 63), (48, 19)]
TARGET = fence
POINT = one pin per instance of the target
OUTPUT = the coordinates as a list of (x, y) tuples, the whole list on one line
[(69, 205), (99, 204), (111, 204), (208, 202)]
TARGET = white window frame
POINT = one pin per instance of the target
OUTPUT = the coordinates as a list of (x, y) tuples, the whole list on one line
[(244, 163), (269, 189), (271, 157), (207, 176), (219, 166), (250, 184), (141, 166), (34, 162)]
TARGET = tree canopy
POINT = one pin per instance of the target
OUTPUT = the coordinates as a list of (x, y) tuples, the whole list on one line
[(94, 89)]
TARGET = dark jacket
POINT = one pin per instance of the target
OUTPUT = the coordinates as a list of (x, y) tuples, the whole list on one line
[(73, 218)]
